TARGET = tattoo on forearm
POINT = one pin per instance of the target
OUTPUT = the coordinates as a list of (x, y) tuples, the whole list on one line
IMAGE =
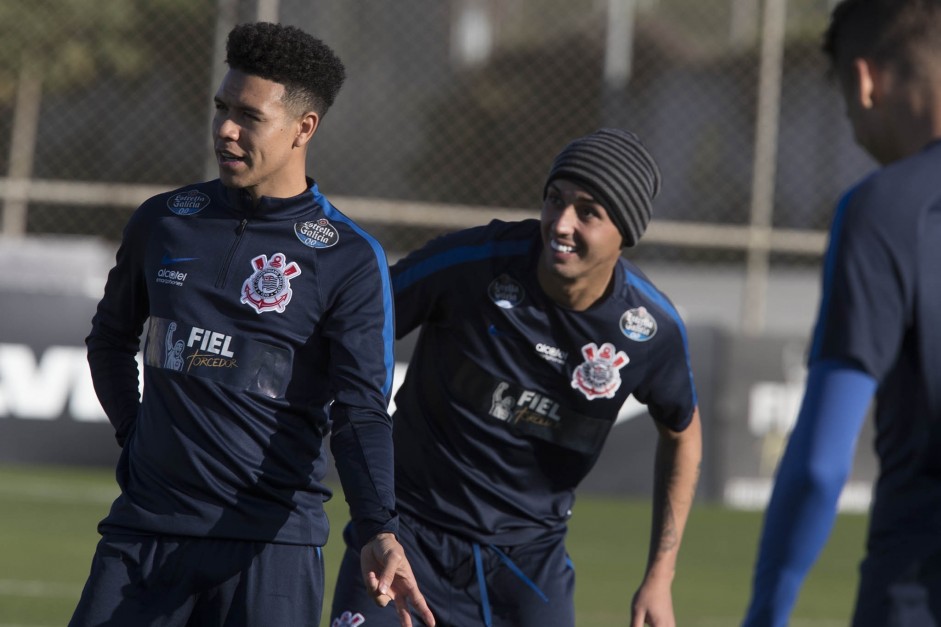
[(665, 533), (668, 535)]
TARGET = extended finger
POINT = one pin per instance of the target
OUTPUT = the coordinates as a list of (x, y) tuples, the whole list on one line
[(424, 611), (401, 608)]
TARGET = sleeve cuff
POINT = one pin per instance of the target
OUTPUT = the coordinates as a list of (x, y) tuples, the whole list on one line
[(365, 530)]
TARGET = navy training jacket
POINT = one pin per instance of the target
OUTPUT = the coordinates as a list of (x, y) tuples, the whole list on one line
[(266, 330)]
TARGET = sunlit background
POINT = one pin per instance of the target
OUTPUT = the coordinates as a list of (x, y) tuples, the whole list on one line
[(450, 117)]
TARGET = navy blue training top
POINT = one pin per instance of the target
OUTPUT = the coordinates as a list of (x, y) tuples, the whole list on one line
[(267, 328), (881, 310), (877, 330), (509, 397)]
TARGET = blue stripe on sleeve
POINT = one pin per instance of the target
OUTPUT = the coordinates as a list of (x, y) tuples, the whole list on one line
[(810, 478), (388, 324), (660, 300), (461, 254)]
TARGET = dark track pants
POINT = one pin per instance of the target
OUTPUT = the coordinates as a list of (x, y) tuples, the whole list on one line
[(150, 581), (467, 584), (900, 588)]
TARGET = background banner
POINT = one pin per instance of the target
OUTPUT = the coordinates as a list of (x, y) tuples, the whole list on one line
[(749, 391)]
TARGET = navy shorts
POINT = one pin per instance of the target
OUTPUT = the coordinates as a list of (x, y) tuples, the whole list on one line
[(900, 588), (467, 583), (144, 581)]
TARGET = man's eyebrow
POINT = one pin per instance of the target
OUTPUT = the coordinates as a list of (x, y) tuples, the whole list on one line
[(242, 107)]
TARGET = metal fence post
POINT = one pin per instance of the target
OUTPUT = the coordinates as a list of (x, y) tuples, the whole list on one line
[(22, 146), (763, 175)]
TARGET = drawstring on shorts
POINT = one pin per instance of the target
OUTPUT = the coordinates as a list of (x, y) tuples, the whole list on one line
[(482, 581)]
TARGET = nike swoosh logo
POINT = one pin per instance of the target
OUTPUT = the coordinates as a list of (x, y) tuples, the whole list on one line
[(168, 260)]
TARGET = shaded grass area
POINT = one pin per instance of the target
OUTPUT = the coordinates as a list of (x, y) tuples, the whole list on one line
[(48, 535)]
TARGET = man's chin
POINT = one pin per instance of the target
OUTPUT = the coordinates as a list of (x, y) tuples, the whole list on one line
[(233, 182), (561, 271)]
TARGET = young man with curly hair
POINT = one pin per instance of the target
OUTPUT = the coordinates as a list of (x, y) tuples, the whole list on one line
[(877, 335), (277, 309)]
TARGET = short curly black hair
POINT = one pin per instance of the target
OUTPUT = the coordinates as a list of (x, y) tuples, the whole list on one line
[(310, 71)]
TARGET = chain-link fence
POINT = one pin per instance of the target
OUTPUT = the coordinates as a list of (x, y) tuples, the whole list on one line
[(451, 114)]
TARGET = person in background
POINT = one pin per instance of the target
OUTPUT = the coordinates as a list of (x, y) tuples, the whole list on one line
[(532, 336), (877, 335), (269, 326)]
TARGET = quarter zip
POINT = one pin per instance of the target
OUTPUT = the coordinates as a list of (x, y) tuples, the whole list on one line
[(224, 270)]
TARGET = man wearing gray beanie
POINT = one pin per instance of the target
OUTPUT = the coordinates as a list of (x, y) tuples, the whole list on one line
[(533, 336), (615, 168)]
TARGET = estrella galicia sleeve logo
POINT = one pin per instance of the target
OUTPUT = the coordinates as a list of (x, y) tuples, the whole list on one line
[(187, 203), (638, 325), (505, 292), (269, 286), (317, 233)]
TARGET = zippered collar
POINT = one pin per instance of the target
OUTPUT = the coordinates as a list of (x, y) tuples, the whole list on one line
[(268, 208)]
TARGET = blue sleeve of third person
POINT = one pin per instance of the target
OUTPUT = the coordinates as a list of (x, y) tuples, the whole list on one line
[(810, 478)]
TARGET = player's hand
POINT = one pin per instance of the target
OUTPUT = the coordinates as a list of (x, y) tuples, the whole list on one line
[(653, 605), (389, 577)]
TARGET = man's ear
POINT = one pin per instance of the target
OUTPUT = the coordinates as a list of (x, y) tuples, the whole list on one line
[(306, 128), (868, 79)]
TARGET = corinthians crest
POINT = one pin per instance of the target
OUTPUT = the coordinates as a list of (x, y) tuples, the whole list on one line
[(599, 376), (269, 287)]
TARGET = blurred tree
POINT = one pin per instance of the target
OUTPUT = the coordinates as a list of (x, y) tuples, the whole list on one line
[(60, 44), (64, 43)]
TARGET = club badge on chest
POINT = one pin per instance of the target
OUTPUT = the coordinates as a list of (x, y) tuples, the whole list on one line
[(269, 286), (599, 375)]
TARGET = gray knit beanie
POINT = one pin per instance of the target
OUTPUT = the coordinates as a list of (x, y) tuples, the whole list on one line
[(616, 169)]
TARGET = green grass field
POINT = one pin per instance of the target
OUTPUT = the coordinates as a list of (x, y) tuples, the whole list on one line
[(47, 537)]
